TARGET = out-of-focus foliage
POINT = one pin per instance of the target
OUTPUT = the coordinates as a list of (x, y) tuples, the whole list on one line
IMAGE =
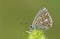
[(36, 34)]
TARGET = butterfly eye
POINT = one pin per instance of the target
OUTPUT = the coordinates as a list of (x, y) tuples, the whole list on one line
[(31, 28)]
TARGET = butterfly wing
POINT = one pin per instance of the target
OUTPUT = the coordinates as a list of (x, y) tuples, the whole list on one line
[(42, 20)]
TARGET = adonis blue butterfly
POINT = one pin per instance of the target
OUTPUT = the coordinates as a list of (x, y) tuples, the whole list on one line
[(42, 20)]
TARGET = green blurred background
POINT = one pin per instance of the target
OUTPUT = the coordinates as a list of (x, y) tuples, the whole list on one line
[(17, 15)]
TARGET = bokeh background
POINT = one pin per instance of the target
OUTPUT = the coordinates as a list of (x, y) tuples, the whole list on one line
[(17, 15)]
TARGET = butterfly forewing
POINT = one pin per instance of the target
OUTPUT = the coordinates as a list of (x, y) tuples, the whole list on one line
[(42, 19)]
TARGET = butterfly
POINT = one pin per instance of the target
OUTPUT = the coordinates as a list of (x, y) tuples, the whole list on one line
[(42, 20)]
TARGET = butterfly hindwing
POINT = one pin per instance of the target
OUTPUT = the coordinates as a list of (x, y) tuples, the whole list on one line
[(42, 19)]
